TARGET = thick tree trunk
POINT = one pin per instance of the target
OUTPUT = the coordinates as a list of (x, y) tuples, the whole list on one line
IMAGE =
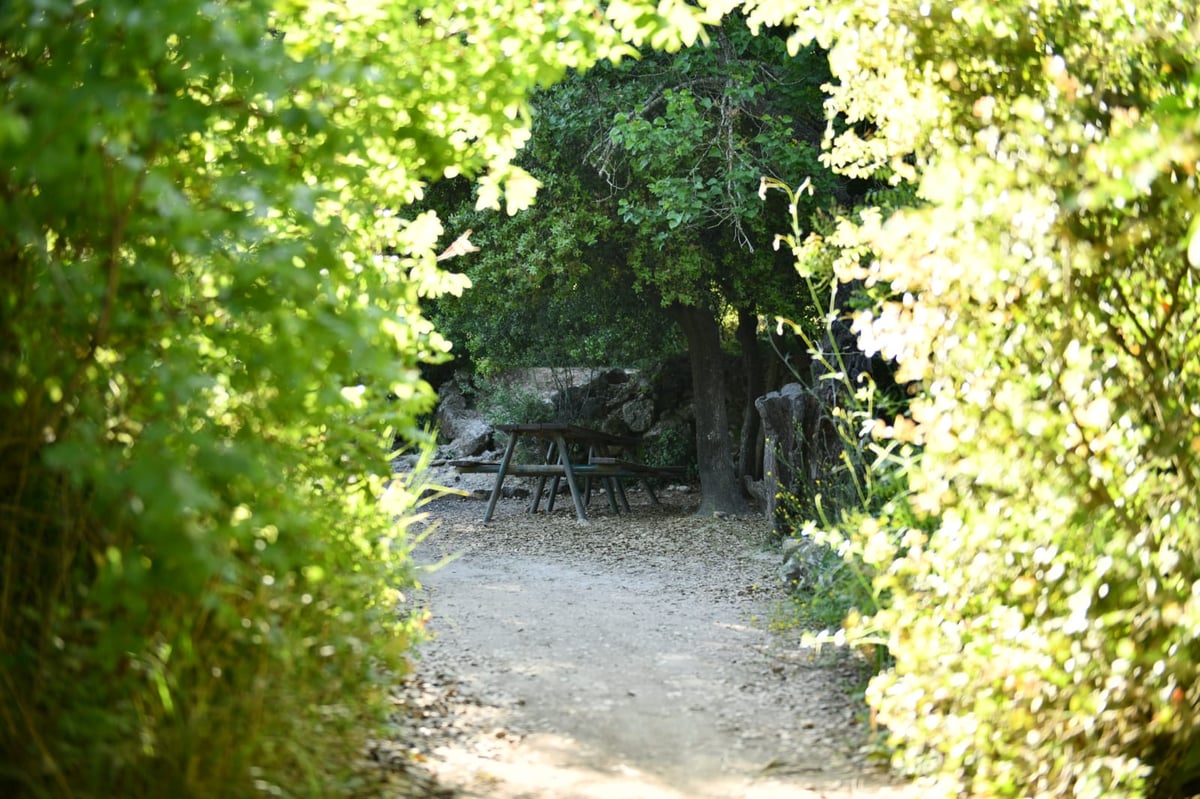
[(749, 462), (720, 489)]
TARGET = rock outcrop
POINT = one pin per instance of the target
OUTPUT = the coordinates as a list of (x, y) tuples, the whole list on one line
[(463, 429)]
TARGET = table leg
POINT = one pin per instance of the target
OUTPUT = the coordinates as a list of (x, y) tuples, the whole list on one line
[(537, 495), (649, 490), (565, 460), (541, 487), (621, 493), (587, 481), (508, 453), (608, 490)]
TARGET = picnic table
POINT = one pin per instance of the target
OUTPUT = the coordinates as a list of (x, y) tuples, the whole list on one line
[(572, 453)]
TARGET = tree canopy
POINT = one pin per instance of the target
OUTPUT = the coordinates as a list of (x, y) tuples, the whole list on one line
[(652, 170)]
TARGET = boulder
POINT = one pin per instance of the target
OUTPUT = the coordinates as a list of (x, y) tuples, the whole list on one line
[(472, 437), (465, 432), (804, 563), (638, 414)]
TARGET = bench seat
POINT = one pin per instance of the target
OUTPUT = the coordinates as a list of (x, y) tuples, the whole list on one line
[(606, 467), (639, 469), (532, 469)]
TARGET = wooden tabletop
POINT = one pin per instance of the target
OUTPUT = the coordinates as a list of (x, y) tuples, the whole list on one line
[(571, 432)]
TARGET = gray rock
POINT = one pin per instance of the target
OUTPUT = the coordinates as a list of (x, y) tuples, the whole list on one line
[(466, 432), (474, 436), (638, 414)]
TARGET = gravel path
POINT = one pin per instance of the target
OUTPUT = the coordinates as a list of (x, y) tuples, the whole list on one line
[(631, 658)]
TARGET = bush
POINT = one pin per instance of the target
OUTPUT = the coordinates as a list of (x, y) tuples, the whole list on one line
[(199, 595), (203, 350), (670, 444), (1044, 297), (507, 402), (839, 473)]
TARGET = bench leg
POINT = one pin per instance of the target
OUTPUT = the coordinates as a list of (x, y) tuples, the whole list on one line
[(563, 458), (504, 461), (608, 490), (621, 494), (541, 486), (555, 482), (649, 490), (536, 500)]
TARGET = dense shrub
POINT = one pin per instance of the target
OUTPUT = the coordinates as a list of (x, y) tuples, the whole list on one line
[(1044, 296), (506, 401), (834, 472), (201, 356)]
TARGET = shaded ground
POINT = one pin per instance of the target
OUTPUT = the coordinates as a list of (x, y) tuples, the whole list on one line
[(631, 657)]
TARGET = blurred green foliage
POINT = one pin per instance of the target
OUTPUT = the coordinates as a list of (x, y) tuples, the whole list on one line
[(841, 475), (1043, 295), (204, 356)]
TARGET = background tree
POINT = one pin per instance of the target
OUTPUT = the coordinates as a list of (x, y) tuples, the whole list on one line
[(652, 170), (541, 293), (201, 355), (1044, 295)]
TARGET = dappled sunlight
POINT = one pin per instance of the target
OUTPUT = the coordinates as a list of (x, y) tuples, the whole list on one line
[(561, 767), (628, 658)]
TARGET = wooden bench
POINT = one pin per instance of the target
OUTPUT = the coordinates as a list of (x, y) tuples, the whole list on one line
[(529, 469), (610, 467), (571, 452), (607, 468), (640, 471)]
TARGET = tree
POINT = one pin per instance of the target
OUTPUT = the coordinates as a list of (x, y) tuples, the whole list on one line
[(652, 170), (1043, 294), (201, 354), (539, 291)]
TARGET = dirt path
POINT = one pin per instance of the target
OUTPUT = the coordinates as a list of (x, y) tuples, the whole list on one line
[(628, 658)]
